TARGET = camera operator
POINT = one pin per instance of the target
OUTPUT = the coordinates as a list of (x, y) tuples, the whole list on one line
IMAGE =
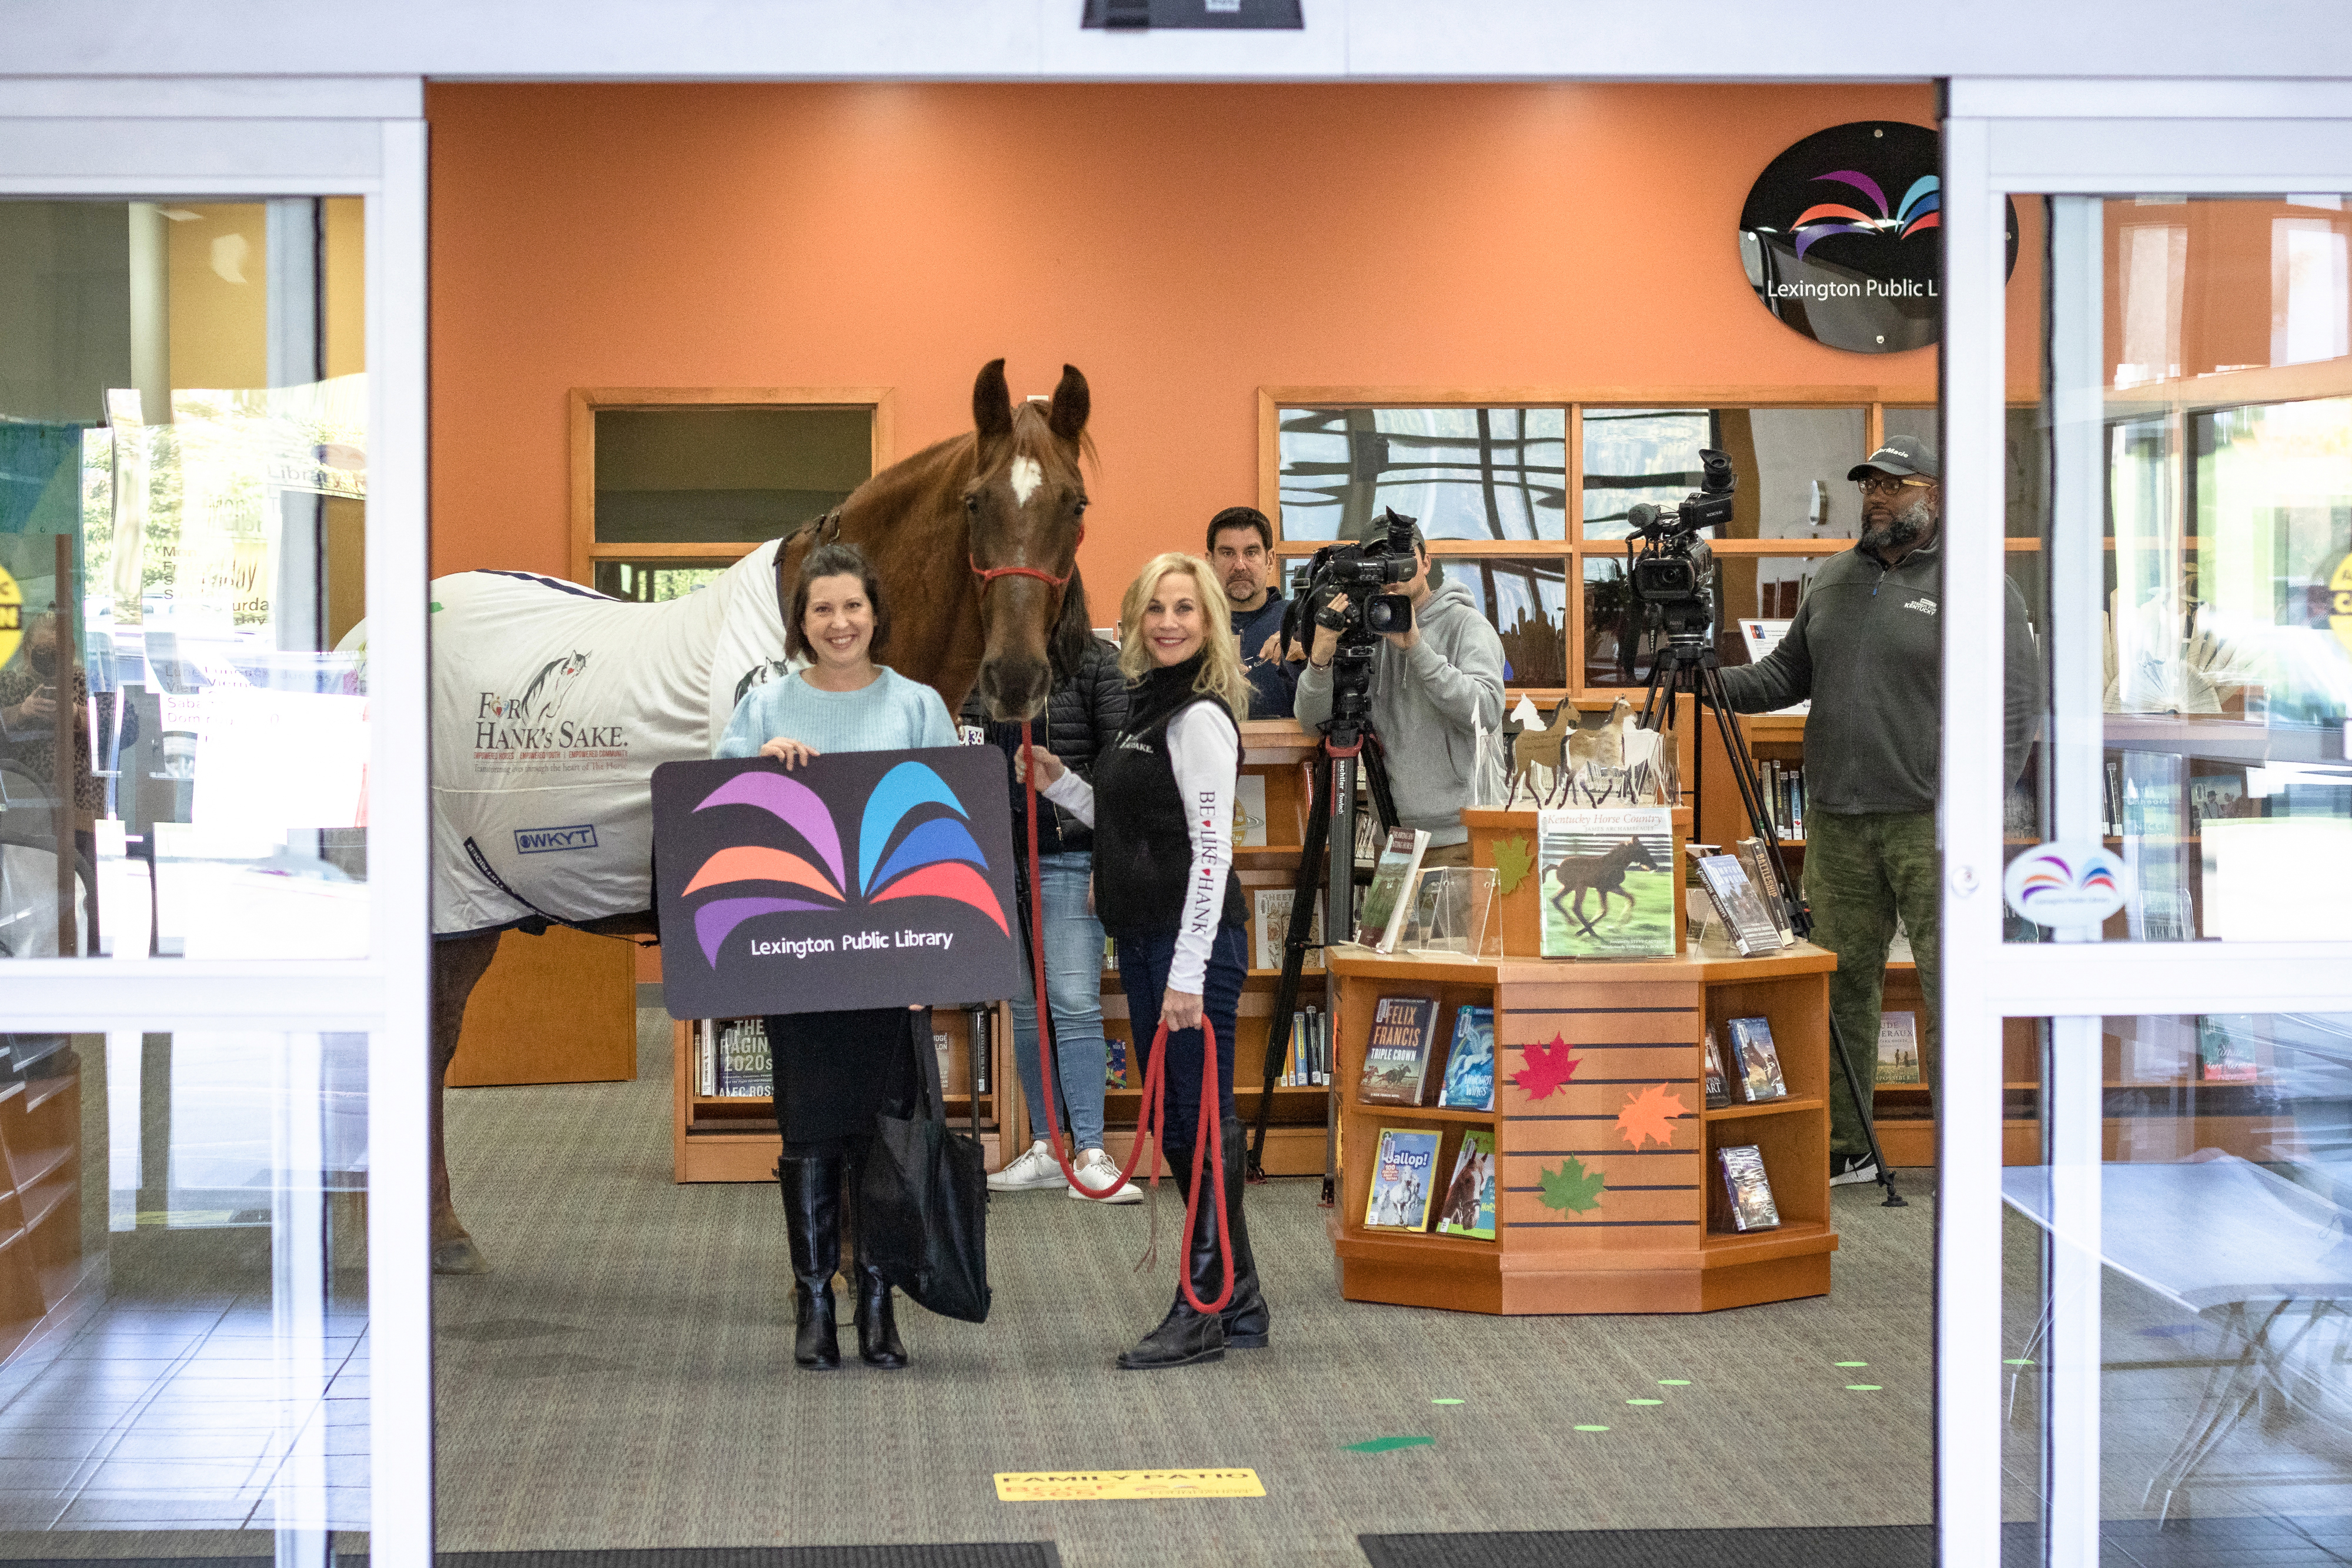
[(1240, 548), (1866, 647), (1436, 704)]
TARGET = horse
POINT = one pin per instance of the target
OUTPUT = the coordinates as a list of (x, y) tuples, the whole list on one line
[(1574, 742), (1601, 873), (974, 540)]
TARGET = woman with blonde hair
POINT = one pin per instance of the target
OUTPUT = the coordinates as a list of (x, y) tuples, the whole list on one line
[(1161, 807)]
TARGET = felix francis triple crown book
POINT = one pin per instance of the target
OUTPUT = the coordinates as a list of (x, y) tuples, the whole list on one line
[(863, 879)]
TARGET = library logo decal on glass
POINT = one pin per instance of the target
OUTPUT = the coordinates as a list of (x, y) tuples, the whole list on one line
[(806, 892)]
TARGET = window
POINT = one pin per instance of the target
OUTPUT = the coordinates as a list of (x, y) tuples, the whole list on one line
[(1463, 473)]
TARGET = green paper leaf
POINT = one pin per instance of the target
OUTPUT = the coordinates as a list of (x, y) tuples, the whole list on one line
[(1513, 860), (1572, 1188), (1382, 1445)]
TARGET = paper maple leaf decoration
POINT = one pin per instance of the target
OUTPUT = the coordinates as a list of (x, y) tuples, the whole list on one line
[(1649, 1115), (1572, 1188), (1513, 860), (1548, 1067)]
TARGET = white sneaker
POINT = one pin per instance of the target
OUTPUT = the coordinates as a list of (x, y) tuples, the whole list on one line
[(1097, 1172), (1037, 1168)]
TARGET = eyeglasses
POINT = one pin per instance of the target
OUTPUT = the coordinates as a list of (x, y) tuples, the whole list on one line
[(1887, 484)]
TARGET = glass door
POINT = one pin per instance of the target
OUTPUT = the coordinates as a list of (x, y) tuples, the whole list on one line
[(2148, 950), (212, 1006)]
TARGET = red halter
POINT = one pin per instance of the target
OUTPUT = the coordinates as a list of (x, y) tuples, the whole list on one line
[(988, 574)]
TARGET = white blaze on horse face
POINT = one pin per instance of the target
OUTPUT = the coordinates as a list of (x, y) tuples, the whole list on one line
[(1027, 475)]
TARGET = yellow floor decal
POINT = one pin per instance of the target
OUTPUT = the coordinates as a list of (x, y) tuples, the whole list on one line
[(1084, 1485)]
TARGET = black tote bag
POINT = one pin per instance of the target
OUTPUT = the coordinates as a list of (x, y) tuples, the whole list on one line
[(923, 1206)]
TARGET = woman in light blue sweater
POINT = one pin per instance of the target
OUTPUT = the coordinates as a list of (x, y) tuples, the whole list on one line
[(834, 1071)]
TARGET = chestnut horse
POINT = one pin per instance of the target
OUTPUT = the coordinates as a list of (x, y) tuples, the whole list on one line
[(975, 540)]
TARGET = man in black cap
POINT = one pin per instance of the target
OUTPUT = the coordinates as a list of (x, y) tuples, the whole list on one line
[(1866, 647)]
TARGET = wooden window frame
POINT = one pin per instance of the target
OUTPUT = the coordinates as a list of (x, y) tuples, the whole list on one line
[(588, 401)]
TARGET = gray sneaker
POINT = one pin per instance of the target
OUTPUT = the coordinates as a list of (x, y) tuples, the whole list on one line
[(1037, 1168), (1850, 1172)]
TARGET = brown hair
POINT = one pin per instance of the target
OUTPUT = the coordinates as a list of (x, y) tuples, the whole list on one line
[(835, 560), (1239, 517)]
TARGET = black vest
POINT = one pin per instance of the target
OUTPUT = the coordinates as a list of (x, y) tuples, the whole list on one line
[(1143, 844)]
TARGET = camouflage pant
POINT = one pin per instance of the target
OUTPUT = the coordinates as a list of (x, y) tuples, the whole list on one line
[(1860, 871)]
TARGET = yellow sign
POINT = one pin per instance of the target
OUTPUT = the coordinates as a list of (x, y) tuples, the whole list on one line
[(12, 616), (2340, 602), (1105, 1485)]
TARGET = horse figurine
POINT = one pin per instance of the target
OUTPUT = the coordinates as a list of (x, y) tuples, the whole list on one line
[(1574, 741), (1600, 873), (975, 542)]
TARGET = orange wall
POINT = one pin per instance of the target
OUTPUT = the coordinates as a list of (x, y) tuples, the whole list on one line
[(1182, 245)]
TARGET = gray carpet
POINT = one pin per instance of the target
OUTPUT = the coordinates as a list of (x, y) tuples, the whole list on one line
[(624, 1379)]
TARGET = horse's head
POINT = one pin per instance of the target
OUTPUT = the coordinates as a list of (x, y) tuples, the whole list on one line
[(1638, 853), (1026, 508)]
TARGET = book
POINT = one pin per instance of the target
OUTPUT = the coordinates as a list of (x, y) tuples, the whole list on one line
[(1385, 901), (706, 1057), (1396, 1056), (1110, 955), (1114, 1061), (1746, 1190), (1756, 1061), (1469, 1205), (1606, 883), (1757, 861), (1717, 1079), (1249, 812), (1318, 1047), (1402, 1166), (2225, 1049), (1735, 898), (1470, 1063), (743, 1065), (1294, 1051), (943, 1047), (982, 1018), (1898, 1047), (1368, 834), (2214, 795), (1270, 927)]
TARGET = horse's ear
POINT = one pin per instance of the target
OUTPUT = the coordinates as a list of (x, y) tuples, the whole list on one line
[(991, 403), (1073, 628), (1072, 402)]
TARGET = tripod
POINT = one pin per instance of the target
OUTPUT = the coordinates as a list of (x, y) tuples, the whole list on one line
[(1687, 663), (1331, 822)]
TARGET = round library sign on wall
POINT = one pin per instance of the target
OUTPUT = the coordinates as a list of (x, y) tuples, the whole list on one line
[(1843, 236)]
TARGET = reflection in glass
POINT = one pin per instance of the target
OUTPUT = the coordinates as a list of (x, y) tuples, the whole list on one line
[(1618, 651), (714, 475), (1464, 473), (1527, 603), (1791, 465), (656, 581), (184, 1286), (2028, 471)]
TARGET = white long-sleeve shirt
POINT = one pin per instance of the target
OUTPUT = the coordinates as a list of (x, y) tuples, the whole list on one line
[(1205, 753)]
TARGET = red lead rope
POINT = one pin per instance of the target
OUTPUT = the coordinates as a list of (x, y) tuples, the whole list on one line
[(1152, 1124)]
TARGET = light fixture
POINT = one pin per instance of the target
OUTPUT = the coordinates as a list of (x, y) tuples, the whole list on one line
[(1143, 16)]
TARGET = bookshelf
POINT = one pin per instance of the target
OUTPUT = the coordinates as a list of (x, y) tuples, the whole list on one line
[(734, 1138), (1635, 1024)]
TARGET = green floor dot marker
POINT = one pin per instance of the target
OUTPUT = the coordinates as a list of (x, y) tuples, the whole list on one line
[(1853, 1363), (1445, 1402), (1862, 1388), (1646, 1402), (2021, 1361), (1592, 1428), (1674, 1383), (1384, 1445)]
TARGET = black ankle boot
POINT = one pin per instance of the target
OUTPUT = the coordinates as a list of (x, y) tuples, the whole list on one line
[(1186, 1336), (812, 1189), (1245, 1317), (877, 1322)]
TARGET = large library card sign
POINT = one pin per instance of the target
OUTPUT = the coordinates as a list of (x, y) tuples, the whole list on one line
[(861, 880)]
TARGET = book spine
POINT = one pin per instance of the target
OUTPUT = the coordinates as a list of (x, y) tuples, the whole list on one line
[(983, 1047)]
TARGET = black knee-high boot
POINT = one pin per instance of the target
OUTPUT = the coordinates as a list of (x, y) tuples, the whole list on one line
[(877, 1321), (1186, 1336), (812, 1189), (1245, 1317)]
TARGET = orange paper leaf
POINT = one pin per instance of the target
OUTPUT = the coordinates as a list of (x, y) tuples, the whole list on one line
[(1649, 1115)]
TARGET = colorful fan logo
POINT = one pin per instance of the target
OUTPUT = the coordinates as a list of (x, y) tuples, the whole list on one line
[(1920, 209), (934, 857), (2059, 886)]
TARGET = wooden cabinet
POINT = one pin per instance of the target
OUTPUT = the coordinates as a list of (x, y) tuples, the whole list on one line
[(1644, 1242), (557, 1008), (40, 1181)]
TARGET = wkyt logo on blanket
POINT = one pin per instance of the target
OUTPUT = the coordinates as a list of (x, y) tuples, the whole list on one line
[(870, 879)]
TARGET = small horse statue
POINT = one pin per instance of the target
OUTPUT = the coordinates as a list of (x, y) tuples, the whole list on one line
[(1600, 873), (975, 542), (1574, 742)]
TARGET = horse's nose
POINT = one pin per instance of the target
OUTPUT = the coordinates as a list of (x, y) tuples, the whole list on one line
[(1015, 689)]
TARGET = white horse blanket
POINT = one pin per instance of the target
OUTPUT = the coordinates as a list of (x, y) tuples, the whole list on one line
[(551, 706)]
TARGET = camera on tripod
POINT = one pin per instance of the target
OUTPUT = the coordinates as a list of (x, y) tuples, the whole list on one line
[(1360, 572), (1674, 574)]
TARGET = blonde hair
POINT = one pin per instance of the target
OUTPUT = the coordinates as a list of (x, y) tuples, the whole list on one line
[(1220, 674)]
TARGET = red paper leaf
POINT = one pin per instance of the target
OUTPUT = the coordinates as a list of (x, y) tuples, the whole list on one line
[(1649, 1115), (1548, 1067)]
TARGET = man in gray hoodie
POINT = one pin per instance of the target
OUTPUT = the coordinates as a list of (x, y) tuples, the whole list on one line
[(1437, 705)]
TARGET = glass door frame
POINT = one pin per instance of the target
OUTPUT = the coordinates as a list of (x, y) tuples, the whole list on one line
[(2026, 139), (190, 138)]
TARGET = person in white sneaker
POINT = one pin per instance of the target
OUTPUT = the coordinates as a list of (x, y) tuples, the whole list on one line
[(1084, 715)]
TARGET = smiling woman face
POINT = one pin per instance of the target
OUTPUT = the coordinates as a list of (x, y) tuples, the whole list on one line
[(1174, 624), (839, 622)]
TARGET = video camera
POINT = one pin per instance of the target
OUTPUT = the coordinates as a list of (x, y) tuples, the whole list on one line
[(1673, 575), (1358, 571)]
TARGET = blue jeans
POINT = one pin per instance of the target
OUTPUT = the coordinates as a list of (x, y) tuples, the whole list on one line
[(1143, 961), (1073, 957)]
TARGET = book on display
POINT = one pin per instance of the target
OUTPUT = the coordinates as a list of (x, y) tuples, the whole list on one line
[(1404, 1165), (1717, 1079), (1606, 883), (1249, 812), (1898, 1047), (1469, 1205), (1114, 1061), (1270, 928), (1755, 1061), (1746, 1191), (1751, 926), (1386, 901), (2226, 1046), (1396, 1056), (1470, 1063), (743, 1063), (1757, 861)]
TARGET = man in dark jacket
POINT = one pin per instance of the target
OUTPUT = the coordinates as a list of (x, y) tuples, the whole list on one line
[(1866, 647), (1084, 715), (1241, 549)]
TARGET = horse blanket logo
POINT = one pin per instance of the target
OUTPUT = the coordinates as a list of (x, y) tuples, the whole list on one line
[(808, 890)]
